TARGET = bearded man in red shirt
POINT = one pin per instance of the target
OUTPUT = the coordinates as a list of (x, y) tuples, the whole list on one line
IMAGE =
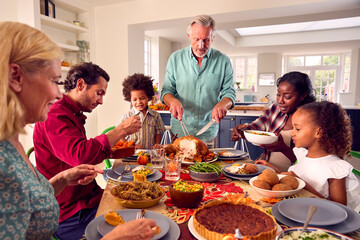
[(60, 143)]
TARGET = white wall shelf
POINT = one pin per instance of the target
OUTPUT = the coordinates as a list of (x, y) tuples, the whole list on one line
[(65, 69), (56, 23), (67, 47), (77, 6)]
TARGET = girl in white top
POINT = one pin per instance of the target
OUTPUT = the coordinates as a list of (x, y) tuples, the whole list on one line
[(322, 137)]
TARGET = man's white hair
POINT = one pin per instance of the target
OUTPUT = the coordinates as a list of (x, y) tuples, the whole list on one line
[(203, 20)]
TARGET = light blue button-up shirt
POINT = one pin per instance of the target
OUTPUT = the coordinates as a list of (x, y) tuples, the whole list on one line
[(198, 90)]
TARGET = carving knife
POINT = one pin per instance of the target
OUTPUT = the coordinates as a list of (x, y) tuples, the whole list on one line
[(206, 127)]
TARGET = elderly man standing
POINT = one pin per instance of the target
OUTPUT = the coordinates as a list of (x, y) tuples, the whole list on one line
[(60, 143), (198, 85)]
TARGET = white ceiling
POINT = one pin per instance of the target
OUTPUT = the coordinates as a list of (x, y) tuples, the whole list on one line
[(97, 3), (230, 42), (300, 26)]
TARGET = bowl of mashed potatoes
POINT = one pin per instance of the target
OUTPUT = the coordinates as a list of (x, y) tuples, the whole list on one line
[(311, 233)]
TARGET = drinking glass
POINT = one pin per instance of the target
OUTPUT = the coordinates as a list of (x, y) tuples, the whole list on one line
[(157, 157), (172, 169)]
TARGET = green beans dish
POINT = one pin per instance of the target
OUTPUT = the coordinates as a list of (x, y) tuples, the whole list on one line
[(205, 167)]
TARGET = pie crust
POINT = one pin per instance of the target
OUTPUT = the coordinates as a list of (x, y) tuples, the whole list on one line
[(219, 218)]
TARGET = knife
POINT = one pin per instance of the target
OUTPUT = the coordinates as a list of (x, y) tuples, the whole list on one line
[(206, 127)]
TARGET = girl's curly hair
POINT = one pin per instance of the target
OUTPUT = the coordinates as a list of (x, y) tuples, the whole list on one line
[(138, 81), (335, 126)]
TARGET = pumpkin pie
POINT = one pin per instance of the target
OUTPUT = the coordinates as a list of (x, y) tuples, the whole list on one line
[(218, 219)]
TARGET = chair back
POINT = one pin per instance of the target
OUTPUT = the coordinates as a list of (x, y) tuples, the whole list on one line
[(107, 161), (357, 155), (166, 137), (29, 152)]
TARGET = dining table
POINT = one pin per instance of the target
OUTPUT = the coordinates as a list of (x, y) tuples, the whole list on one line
[(215, 190)]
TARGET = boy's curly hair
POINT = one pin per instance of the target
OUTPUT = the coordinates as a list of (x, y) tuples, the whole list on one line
[(335, 126), (138, 81)]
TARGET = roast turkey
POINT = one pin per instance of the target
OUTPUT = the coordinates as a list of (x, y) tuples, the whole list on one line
[(189, 148), (191, 145)]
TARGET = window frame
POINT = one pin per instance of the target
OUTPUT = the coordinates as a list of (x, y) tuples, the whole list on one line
[(147, 55), (340, 69), (246, 75)]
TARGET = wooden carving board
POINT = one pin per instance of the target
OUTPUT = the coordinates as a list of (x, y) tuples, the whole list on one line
[(249, 108)]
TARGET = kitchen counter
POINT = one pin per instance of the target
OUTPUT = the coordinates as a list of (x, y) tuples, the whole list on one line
[(351, 107), (233, 112), (244, 113)]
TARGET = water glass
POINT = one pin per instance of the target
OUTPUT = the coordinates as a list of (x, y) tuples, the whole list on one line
[(172, 169), (157, 157)]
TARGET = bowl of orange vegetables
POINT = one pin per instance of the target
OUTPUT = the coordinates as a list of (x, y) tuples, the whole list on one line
[(123, 149)]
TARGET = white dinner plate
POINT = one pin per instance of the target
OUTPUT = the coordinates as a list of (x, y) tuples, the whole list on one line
[(236, 178), (114, 176), (199, 237), (147, 151), (327, 212), (130, 214), (351, 223), (91, 232), (241, 177), (192, 163), (260, 167), (119, 170), (238, 154)]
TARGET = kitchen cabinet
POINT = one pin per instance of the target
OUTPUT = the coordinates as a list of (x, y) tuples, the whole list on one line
[(225, 130), (165, 116), (354, 115)]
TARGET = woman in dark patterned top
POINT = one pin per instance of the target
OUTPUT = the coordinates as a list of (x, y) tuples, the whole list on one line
[(294, 89)]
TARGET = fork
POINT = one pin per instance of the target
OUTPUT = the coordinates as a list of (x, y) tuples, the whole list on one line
[(138, 215), (184, 128), (126, 170), (141, 214)]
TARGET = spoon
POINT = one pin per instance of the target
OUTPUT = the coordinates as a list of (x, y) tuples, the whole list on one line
[(238, 234), (311, 211)]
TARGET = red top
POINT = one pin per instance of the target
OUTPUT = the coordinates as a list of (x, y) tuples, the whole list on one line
[(60, 143)]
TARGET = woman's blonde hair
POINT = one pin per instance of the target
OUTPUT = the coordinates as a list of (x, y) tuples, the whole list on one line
[(32, 50)]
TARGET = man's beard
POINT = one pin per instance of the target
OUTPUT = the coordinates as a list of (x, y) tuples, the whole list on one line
[(202, 55)]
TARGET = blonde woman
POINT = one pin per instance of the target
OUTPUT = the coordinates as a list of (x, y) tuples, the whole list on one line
[(29, 77)]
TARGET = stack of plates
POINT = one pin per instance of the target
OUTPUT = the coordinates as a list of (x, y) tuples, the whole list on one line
[(99, 227), (134, 157), (114, 174), (329, 215), (236, 154), (243, 176)]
